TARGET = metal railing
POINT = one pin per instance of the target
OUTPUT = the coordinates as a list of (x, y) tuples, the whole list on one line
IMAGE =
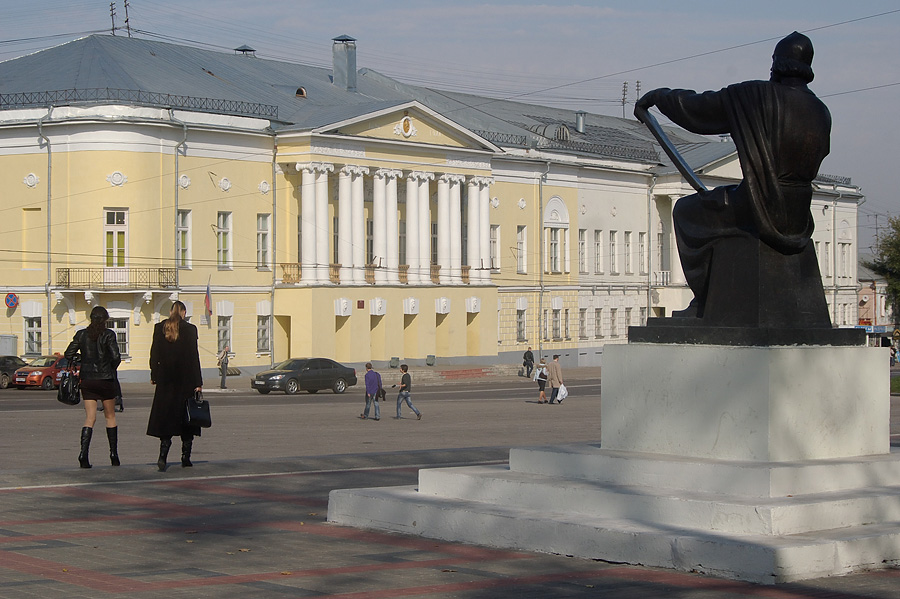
[(94, 95), (116, 278), (290, 272), (436, 274), (662, 277)]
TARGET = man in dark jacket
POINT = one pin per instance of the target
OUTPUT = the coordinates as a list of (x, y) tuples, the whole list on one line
[(781, 131)]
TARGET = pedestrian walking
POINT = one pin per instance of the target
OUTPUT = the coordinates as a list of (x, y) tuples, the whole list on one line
[(540, 376), (405, 389), (374, 390), (100, 357), (528, 362), (175, 370), (222, 362), (555, 376)]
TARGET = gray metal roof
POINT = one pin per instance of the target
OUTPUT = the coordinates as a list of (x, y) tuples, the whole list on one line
[(100, 68)]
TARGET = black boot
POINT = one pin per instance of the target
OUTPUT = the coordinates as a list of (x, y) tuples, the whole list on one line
[(113, 435), (187, 443), (86, 433), (164, 445)]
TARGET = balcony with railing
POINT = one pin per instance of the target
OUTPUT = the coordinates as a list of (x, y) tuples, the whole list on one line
[(117, 278), (662, 277)]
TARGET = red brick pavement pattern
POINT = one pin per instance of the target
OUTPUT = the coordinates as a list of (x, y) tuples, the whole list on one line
[(266, 536)]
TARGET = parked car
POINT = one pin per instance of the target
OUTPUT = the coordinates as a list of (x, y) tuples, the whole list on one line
[(41, 372), (307, 374), (8, 367)]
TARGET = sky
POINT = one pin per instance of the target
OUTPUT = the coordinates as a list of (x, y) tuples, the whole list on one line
[(586, 55)]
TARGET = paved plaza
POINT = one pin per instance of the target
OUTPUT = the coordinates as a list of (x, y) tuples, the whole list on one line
[(254, 525)]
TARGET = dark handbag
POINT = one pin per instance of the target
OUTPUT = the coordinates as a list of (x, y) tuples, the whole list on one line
[(197, 411), (69, 391)]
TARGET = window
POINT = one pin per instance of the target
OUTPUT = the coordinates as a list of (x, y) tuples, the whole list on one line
[(434, 243), (582, 250), (598, 323), (660, 253), (613, 325), (223, 332), (628, 322), (370, 241), (183, 239), (613, 249), (642, 252), (627, 252), (582, 323), (554, 250), (114, 231), (566, 330), (521, 250), (402, 244), (262, 241), (495, 247), (827, 259), (845, 259), (598, 252), (33, 336), (544, 331), (335, 229), (520, 326), (120, 327), (557, 324), (643, 322), (223, 240), (263, 343)]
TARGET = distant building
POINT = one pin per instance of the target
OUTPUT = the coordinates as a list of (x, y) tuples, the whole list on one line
[(874, 313), (339, 212)]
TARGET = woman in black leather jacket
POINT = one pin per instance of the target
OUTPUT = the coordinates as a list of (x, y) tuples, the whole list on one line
[(100, 358)]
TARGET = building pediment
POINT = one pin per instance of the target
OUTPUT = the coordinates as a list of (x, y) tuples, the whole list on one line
[(409, 123)]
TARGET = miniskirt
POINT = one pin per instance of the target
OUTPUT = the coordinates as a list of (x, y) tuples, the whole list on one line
[(99, 389)]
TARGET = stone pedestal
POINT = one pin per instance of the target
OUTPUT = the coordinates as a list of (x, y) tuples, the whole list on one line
[(767, 464)]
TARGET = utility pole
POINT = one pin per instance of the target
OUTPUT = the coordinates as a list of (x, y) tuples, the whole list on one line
[(127, 25), (624, 97), (112, 15), (637, 92)]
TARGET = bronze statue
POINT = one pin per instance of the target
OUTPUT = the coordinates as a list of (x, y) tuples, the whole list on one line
[(745, 249)]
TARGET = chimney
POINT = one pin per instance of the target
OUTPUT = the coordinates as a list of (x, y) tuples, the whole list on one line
[(579, 121), (343, 53)]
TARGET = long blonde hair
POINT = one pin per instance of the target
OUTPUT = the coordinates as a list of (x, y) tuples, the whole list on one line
[(176, 315)]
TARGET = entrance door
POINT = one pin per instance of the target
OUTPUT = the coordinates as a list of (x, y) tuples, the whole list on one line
[(115, 231)]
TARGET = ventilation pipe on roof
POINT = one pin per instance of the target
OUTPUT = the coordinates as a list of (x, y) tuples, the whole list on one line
[(579, 121), (343, 53)]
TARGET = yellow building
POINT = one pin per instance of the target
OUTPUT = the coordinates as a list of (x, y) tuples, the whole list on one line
[(332, 212)]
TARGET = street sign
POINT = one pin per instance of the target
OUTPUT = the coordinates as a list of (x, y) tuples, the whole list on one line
[(12, 300)]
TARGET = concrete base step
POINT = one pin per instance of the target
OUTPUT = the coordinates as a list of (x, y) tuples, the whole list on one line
[(757, 558)]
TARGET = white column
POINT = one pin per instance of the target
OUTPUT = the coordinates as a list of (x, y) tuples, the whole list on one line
[(443, 218), (322, 225), (473, 238), (484, 221), (307, 223), (412, 229), (391, 215), (425, 227), (378, 226), (456, 229), (345, 225), (358, 226)]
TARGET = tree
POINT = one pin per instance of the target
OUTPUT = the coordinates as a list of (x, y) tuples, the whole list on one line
[(886, 262)]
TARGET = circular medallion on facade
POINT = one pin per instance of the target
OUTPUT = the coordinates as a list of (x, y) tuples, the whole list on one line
[(224, 184), (184, 181), (405, 127), (522, 203), (263, 187), (495, 202), (31, 180), (612, 211), (117, 179)]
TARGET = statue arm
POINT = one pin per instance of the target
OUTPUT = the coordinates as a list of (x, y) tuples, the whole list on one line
[(699, 113)]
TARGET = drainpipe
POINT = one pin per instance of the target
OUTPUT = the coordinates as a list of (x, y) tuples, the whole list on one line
[(46, 139), (180, 145), (540, 314), (649, 251), (272, 257)]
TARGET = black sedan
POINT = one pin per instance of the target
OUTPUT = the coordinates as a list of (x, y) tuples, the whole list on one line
[(307, 374), (8, 367)]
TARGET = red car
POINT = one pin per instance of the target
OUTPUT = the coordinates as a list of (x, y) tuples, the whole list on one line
[(42, 372)]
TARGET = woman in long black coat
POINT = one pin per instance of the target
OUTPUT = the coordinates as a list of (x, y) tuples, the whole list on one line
[(175, 370)]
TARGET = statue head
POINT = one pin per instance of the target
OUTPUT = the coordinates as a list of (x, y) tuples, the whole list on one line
[(793, 58)]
